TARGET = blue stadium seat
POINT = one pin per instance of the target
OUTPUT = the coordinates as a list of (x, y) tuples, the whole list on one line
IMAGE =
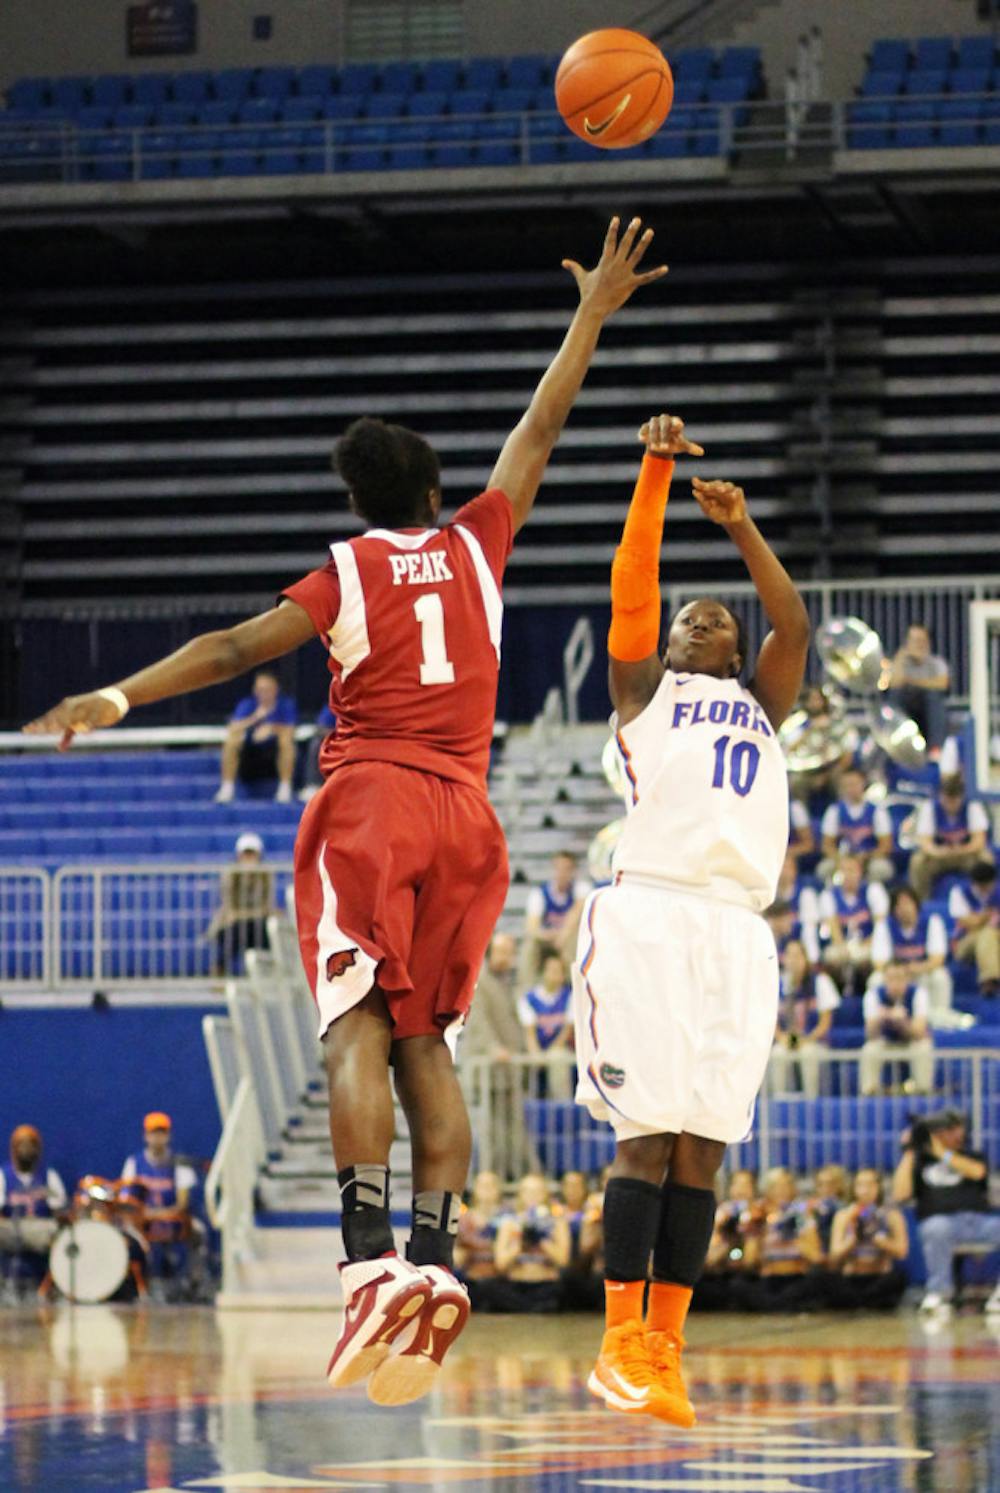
[(925, 81), (301, 110), (111, 90), (960, 121), (399, 77), (29, 94), (970, 80), (426, 105), (366, 134), (278, 162), (443, 75), (890, 56), (216, 112), (233, 84), (160, 143), (71, 94), (507, 128), (239, 155), (469, 101), (409, 157), (16, 844), (274, 82), (192, 88), (932, 53), (133, 117), (172, 115), (705, 132), (258, 111), (344, 106), (485, 73), (977, 51), (517, 100), (914, 125), (498, 153), (318, 79), (672, 141), (198, 159), (362, 158), (387, 105), (693, 65), (453, 156), (358, 77), (531, 71), (991, 121), (151, 88), (881, 84), (690, 90), (413, 132), (93, 119), (740, 62)]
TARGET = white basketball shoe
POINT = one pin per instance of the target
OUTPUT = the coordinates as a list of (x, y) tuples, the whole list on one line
[(381, 1299), (415, 1356)]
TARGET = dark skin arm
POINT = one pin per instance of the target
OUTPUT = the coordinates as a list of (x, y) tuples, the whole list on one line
[(210, 658), (603, 290)]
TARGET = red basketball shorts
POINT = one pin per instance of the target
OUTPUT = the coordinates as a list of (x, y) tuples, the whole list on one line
[(400, 877)]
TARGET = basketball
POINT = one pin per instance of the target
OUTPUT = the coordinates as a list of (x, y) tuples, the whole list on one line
[(614, 88)]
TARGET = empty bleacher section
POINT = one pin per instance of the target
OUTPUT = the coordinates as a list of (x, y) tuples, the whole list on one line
[(934, 90), (281, 121)]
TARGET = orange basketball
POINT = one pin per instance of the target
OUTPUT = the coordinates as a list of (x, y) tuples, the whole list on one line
[(614, 88)]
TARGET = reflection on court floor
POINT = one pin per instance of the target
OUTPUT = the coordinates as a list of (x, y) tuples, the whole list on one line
[(154, 1400)]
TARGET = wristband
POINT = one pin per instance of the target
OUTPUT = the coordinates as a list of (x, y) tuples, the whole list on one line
[(117, 698)]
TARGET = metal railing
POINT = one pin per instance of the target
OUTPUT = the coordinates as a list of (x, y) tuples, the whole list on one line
[(232, 1179), (523, 1115), (124, 926)]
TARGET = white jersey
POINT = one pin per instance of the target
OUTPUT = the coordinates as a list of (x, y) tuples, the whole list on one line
[(707, 792)]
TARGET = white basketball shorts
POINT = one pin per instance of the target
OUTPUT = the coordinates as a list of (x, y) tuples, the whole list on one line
[(675, 1001)]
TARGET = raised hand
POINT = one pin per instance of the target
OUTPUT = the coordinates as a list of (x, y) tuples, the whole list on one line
[(722, 502), (664, 435), (75, 714), (616, 275)]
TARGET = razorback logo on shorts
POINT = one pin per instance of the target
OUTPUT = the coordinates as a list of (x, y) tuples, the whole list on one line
[(612, 1076), (340, 962)]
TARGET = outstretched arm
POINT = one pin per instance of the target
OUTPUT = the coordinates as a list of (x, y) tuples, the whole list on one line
[(634, 665), (781, 662), (603, 290), (210, 658)]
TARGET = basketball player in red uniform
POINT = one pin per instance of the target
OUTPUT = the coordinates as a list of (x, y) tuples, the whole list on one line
[(400, 863)]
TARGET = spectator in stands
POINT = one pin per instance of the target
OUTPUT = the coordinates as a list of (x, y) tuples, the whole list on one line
[(918, 684), (868, 1245), (896, 1009), (974, 907), (784, 1249), (259, 747), (532, 1251), (312, 777), (475, 1242), (31, 1198), (582, 1282), (952, 835), (801, 840), (163, 1185), (849, 909), (829, 1196), (493, 1031), (546, 1016), (854, 826), (552, 914), (949, 1184), (805, 1014), (913, 936), (796, 892), (739, 1214), (247, 901)]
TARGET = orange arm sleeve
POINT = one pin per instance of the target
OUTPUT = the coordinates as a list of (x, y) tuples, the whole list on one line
[(635, 571)]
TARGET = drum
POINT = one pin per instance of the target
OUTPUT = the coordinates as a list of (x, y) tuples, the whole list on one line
[(89, 1260)]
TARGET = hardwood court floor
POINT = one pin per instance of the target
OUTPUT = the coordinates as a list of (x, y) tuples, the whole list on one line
[(121, 1399)]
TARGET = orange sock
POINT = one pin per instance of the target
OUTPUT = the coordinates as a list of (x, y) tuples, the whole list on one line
[(668, 1307), (623, 1301)]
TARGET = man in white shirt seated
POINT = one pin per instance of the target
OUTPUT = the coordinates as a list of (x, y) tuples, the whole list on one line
[(896, 1009), (974, 907), (952, 835), (849, 910), (854, 826), (912, 936)]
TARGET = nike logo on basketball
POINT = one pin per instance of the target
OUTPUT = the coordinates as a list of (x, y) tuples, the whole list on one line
[(594, 130)]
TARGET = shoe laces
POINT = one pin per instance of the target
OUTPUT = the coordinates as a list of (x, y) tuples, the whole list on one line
[(632, 1351), (664, 1349)]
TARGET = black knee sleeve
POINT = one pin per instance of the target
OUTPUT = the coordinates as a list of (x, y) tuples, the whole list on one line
[(631, 1216), (687, 1218)]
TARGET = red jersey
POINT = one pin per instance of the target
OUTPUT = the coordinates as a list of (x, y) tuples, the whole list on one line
[(411, 619)]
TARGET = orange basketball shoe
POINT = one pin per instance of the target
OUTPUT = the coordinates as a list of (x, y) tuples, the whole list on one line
[(624, 1377), (665, 1356)]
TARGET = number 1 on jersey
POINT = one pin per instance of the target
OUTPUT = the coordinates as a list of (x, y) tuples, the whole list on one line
[(436, 667)]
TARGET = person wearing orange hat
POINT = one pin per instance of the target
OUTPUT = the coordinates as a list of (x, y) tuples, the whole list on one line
[(31, 1197), (154, 1177)]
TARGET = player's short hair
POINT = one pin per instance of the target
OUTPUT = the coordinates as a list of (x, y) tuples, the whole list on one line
[(903, 889), (389, 471)]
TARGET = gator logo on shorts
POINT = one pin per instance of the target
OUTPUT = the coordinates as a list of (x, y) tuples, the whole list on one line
[(612, 1076), (341, 962)]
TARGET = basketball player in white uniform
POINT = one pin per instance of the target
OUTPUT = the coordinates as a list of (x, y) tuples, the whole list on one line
[(676, 980)]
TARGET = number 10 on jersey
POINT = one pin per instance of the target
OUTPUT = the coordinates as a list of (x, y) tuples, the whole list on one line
[(435, 666), (742, 765)]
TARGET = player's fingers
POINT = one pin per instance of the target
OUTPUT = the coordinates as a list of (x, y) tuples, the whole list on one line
[(642, 243), (628, 238), (611, 238), (657, 274), (576, 270), (67, 739), (692, 448)]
